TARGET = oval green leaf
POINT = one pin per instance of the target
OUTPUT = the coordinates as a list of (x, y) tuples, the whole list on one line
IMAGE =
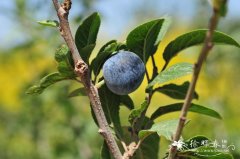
[(205, 152), (111, 106), (164, 128), (127, 101), (105, 153), (46, 82), (176, 71), (104, 53), (86, 35), (175, 91), (51, 23), (192, 39), (144, 39), (178, 106)]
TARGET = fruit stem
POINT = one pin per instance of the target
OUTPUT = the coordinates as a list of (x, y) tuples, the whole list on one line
[(155, 69), (100, 84)]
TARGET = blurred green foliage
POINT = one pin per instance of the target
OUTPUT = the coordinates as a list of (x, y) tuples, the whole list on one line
[(52, 126)]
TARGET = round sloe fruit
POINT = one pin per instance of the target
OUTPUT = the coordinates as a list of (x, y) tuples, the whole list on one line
[(123, 72)]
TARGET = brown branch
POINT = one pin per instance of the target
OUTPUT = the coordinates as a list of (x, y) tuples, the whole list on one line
[(81, 69), (197, 68), (131, 149), (136, 127)]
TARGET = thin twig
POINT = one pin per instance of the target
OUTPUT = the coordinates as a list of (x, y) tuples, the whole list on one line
[(136, 127), (138, 123), (131, 149), (124, 146), (147, 75), (81, 69), (197, 68), (155, 69), (165, 66)]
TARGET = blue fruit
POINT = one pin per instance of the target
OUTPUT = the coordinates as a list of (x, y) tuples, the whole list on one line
[(123, 72)]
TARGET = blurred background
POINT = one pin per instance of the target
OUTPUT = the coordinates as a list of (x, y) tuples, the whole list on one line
[(52, 126)]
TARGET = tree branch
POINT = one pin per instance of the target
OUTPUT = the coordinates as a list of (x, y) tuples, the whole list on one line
[(197, 68), (131, 149), (81, 69)]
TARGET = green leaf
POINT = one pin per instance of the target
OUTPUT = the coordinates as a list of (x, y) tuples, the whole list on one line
[(175, 91), (46, 82), (61, 52), (51, 23), (86, 35), (223, 8), (178, 106), (176, 71), (150, 45), (104, 53), (105, 153), (65, 62), (86, 51), (77, 92), (144, 39), (107, 46), (165, 26), (164, 128), (127, 101), (204, 152), (136, 113), (220, 6), (111, 106), (136, 118), (148, 148), (194, 38), (65, 68)]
